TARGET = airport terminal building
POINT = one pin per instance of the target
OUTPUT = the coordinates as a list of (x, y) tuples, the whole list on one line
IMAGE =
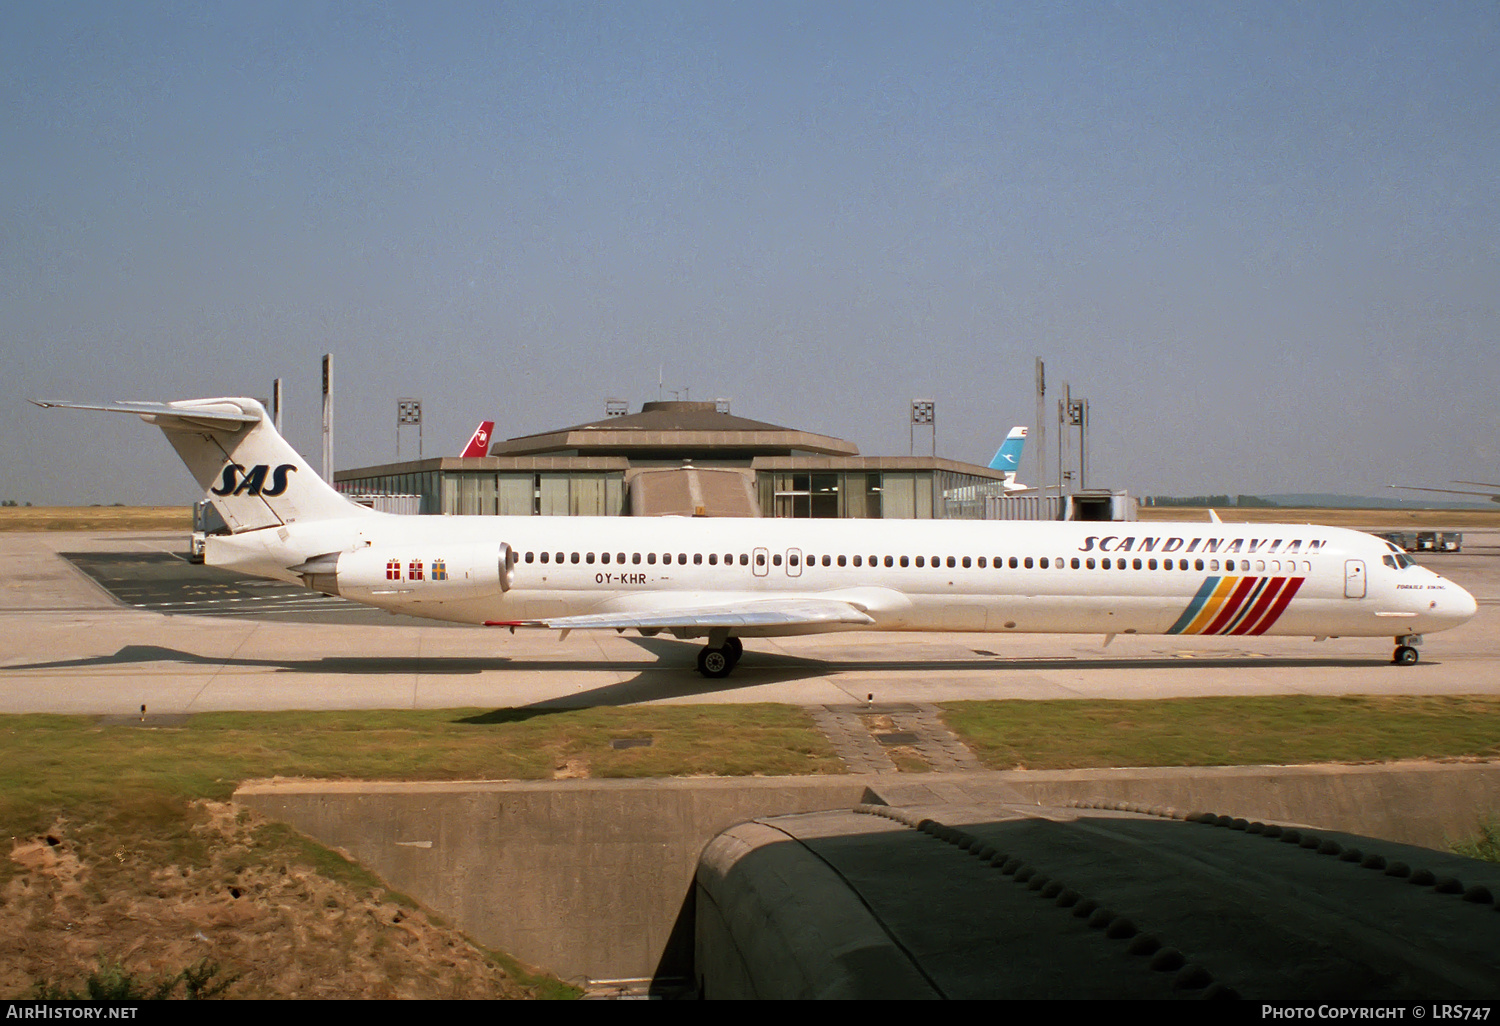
[(689, 459)]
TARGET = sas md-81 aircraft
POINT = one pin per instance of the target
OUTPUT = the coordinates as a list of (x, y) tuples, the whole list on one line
[(729, 579)]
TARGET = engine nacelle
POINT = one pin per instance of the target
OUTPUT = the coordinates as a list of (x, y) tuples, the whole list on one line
[(423, 571)]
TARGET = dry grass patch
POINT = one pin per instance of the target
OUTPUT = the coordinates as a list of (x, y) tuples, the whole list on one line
[(255, 908)]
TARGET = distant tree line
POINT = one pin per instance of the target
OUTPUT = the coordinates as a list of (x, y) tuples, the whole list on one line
[(1208, 500), (12, 502)]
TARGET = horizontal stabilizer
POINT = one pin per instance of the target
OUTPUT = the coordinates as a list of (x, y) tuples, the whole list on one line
[(247, 470), (211, 414)]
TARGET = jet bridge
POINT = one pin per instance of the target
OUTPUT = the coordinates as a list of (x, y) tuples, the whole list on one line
[(1095, 504)]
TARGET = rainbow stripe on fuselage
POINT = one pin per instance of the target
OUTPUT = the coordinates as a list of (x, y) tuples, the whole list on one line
[(1236, 605)]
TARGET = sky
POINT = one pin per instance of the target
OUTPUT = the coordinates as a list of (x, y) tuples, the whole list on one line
[(1262, 239)]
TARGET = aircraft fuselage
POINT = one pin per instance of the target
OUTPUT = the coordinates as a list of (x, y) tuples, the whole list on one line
[(995, 576)]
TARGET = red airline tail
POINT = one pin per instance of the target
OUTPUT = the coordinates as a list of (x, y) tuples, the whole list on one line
[(479, 445)]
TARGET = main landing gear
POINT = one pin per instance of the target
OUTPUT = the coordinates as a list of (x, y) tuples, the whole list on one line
[(717, 661), (1406, 649)]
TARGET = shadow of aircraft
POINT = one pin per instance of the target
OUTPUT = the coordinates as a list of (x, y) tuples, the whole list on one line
[(673, 674), (766, 667)]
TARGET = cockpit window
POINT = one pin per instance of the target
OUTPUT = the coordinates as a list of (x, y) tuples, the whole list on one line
[(1397, 560)]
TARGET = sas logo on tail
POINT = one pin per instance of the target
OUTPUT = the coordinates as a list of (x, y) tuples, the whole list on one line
[(253, 482)]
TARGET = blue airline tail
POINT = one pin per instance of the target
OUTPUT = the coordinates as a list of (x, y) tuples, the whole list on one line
[(1008, 456)]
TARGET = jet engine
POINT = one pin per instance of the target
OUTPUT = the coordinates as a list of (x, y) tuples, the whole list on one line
[(422, 571)]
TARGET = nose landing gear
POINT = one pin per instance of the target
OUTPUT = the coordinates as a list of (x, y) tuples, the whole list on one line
[(1406, 649)]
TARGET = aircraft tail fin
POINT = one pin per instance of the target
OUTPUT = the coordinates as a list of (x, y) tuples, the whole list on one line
[(253, 477), (1008, 456), (479, 445)]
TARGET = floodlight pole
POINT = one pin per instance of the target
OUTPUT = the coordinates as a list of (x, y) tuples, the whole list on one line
[(408, 411), (328, 417), (1041, 425), (923, 411)]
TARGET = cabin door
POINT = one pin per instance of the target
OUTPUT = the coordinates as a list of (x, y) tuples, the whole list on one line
[(760, 562), (794, 562), (1354, 578)]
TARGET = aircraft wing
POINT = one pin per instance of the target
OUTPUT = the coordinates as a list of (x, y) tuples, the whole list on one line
[(1452, 491), (787, 612)]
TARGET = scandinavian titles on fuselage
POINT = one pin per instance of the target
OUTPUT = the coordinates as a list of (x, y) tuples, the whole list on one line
[(1157, 543)]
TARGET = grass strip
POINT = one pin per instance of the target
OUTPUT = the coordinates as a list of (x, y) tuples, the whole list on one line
[(1227, 731), (51, 763)]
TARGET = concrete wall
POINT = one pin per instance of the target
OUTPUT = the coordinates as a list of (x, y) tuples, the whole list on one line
[(591, 879), (586, 878)]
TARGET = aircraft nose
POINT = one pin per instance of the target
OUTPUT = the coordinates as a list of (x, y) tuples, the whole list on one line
[(1453, 607)]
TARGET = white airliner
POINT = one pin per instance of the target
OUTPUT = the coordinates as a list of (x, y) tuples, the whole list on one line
[(726, 579)]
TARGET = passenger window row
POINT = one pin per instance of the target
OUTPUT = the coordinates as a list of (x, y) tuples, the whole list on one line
[(1274, 566), (635, 558)]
